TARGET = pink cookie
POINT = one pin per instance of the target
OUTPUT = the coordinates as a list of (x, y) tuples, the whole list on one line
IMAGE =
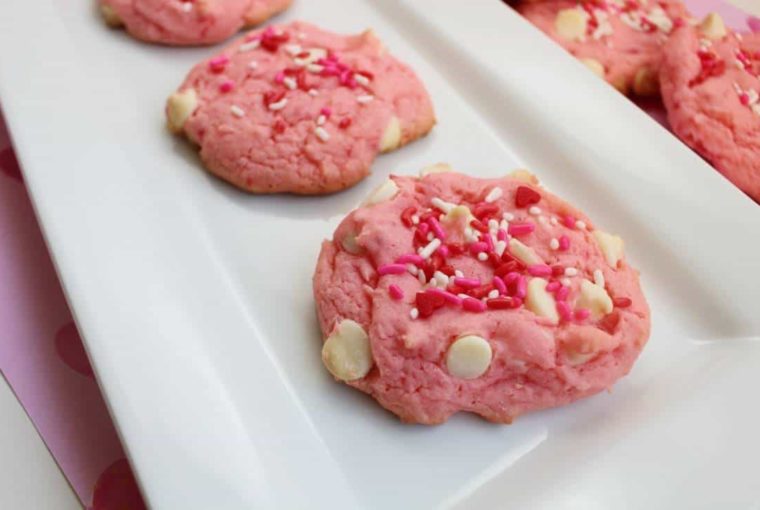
[(711, 90), (298, 109), (620, 40), (450, 293), (188, 22)]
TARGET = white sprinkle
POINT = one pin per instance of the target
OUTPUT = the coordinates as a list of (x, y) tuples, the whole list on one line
[(313, 92), (430, 236), (293, 49), (494, 194), (580, 225), (187, 6), (321, 120), (253, 64), (322, 133), (290, 82), (504, 224), (414, 313), (599, 277), (365, 99), (441, 278), (442, 205), (571, 271), (493, 294), (279, 105), (415, 219), (508, 216), (542, 220), (458, 273), (428, 250), (554, 220), (421, 277), (482, 256), (565, 281), (554, 244), (314, 68), (361, 79), (237, 111), (534, 210), (412, 269), (493, 224), (463, 295), (251, 45), (499, 247), (470, 236)]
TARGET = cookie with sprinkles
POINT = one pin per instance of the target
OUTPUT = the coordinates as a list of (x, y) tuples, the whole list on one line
[(711, 89), (619, 40), (187, 22), (451, 293), (298, 109)]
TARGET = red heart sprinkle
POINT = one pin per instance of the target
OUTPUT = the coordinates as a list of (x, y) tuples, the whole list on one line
[(526, 196)]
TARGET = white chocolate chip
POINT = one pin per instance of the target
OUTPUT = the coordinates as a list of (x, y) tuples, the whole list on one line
[(578, 358), (179, 107), (346, 352), (595, 298), (110, 16), (437, 168), (712, 27), (612, 247), (570, 24), (350, 244), (385, 191), (646, 82), (469, 357), (523, 253), (524, 176), (541, 302), (391, 136), (596, 67)]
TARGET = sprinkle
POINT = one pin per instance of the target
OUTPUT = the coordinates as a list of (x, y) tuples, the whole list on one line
[(493, 294), (500, 303), (539, 270), (344, 122), (553, 286), (553, 220), (290, 82), (568, 221), (430, 236), (534, 210), (580, 225), (412, 269), (279, 105), (428, 250), (482, 256), (489, 242), (493, 225), (365, 99), (442, 205), (217, 64), (564, 311), (253, 64), (508, 216), (421, 277), (512, 277), (599, 277), (448, 296), (237, 111), (522, 287), (322, 133), (321, 120), (500, 285), (521, 229), (566, 282), (458, 273), (564, 243), (415, 219), (443, 251), (326, 111), (562, 293), (396, 292), (293, 49), (314, 68), (410, 258), (414, 313), (499, 247), (463, 296), (391, 269), (581, 314), (226, 86), (554, 244), (622, 302), (495, 194), (248, 46), (571, 271), (525, 196), (436, 228), (361, 79), (466, 283), (441, 279), (473, 305), (478, 247), (501, 235)]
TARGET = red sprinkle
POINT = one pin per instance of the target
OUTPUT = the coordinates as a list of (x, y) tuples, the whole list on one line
[(226, 86), (344, 122), (396, 292), (581, 314), (217, 64), (273, 96), (479, 226), (558, 270), (525, 196), (622, 302), (406, 215), (428, 302), (473, 305), (499, 303), (485, 209), (279, 127)]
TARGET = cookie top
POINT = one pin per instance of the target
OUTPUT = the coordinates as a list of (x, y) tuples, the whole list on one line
[(298, 109), (493, 296), (711, 89), (187, 22), (620, 40)]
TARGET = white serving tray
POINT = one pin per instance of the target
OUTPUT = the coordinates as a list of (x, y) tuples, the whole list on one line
[(195, 299)]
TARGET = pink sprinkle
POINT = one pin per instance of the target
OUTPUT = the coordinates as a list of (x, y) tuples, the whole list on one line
[(396, 292), (501, 235), (410, 258), (522, 287), (553, 286), (217, 64), (521, 229), (326, 111), (436, 228), (476, 248), (568, 221), (443, 251), (473, 305), (279, 77), (564, 243), (562, 293), (511, 277), (564, 311), (448, 296), (423, 228), (753, 22), (744, 98), (488, 241), (467, 283), (581, 314), (539, 270), (226, 86), (500, 285), (391, 269)]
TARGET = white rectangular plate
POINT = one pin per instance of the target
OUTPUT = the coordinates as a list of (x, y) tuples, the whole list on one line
[(195, 299)]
